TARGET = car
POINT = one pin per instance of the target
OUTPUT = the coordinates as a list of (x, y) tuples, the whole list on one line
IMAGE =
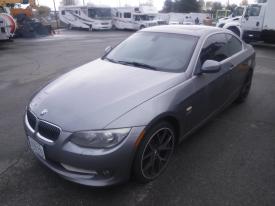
[(122, 115)]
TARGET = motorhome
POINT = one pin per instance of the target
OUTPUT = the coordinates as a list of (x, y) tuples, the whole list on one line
[(90, 17), (134, 18)]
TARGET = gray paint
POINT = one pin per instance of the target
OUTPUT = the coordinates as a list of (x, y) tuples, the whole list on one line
[(103, 95)]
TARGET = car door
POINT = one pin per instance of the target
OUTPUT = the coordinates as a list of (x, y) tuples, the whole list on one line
[(240, 64), (211, 91)]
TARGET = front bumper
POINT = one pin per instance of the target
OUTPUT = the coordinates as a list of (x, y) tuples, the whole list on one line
[(102, 27), (92, 167), (251, 36)]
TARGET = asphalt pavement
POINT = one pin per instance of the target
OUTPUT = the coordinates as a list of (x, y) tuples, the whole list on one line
[(230, 161)]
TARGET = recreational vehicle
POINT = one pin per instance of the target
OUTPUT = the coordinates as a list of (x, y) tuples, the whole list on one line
[(89, 17), (134, 18)]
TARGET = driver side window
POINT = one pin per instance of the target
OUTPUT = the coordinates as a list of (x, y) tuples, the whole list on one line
[(215, 48)]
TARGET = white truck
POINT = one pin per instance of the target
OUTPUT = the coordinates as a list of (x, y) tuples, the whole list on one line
[(236, 15), (90, 17), (257, 22), (134, 18)]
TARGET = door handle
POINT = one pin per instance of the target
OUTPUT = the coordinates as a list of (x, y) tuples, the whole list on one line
[(229, 66), (258, 23)]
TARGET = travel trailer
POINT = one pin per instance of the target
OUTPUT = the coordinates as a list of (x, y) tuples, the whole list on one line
[(88, 17), (134, 18)]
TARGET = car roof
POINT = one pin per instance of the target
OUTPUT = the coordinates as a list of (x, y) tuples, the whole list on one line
[(194, 30)]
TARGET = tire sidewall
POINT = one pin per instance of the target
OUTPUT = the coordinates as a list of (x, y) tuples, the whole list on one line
[(137, 165)]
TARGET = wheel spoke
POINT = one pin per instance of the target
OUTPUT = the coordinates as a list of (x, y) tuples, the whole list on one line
[(148, 155), (149, 164), (157, 153)]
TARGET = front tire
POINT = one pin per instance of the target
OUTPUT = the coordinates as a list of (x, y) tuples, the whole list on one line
[(142, 27), (154, 152), (235, 30)]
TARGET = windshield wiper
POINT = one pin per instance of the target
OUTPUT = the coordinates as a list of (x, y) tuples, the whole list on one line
[(110, 60), (137, 64)]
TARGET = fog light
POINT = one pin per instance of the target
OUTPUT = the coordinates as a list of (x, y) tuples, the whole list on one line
[(106, 173), (78, 170)]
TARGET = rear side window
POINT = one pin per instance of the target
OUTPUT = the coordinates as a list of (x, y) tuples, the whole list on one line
[(234, 45), (215, 48)]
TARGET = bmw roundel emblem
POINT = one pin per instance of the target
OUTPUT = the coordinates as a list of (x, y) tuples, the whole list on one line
[(43, 112)]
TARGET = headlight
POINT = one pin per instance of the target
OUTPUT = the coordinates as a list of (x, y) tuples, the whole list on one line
[(100, 139)]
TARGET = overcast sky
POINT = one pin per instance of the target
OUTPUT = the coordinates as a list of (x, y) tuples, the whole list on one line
[(157, 3)]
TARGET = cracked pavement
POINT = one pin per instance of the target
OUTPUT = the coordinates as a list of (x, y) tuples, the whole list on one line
[(229, 161)]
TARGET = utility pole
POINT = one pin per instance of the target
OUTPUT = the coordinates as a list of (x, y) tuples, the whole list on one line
[(55, 14)]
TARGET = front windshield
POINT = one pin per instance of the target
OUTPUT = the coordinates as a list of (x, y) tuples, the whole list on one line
[(142, 18), (99, 13), (161, 51), (238, 11)]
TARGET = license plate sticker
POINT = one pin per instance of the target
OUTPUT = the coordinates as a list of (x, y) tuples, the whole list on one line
[(37, 148)]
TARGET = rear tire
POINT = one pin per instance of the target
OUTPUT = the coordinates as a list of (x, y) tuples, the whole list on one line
[(245, 88), (154, 152), (142, 27)]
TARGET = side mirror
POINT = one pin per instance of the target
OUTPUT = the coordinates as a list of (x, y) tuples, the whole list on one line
[(210, 66), (108, 50)]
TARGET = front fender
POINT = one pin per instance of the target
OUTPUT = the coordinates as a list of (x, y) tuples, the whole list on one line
[(234, 24)]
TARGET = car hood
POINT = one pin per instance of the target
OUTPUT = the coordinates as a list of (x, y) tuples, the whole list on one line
[(95, 94)]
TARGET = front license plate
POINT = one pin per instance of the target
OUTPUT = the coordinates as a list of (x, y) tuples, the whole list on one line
[(37, 148)]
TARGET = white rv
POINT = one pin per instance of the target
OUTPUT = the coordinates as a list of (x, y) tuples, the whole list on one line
[(134, 18), (89, 17)]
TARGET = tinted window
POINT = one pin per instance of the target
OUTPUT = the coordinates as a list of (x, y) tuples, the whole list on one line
[(215, 48), (127, 15), (234, 45), (63, 12), (167, 52)]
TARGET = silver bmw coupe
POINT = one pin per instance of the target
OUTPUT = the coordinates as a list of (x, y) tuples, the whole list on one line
[(122, 115)]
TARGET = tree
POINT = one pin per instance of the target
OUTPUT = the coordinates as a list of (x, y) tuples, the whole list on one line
[(231, 7), (43, 11), (168, 6), (244, 3), (69, 2), (209, 5), (186, 6), (202, 4)]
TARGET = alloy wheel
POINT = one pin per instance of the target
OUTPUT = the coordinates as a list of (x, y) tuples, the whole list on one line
[(157, 153)]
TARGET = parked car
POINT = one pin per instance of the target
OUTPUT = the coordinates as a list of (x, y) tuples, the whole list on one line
[(124, 114)]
